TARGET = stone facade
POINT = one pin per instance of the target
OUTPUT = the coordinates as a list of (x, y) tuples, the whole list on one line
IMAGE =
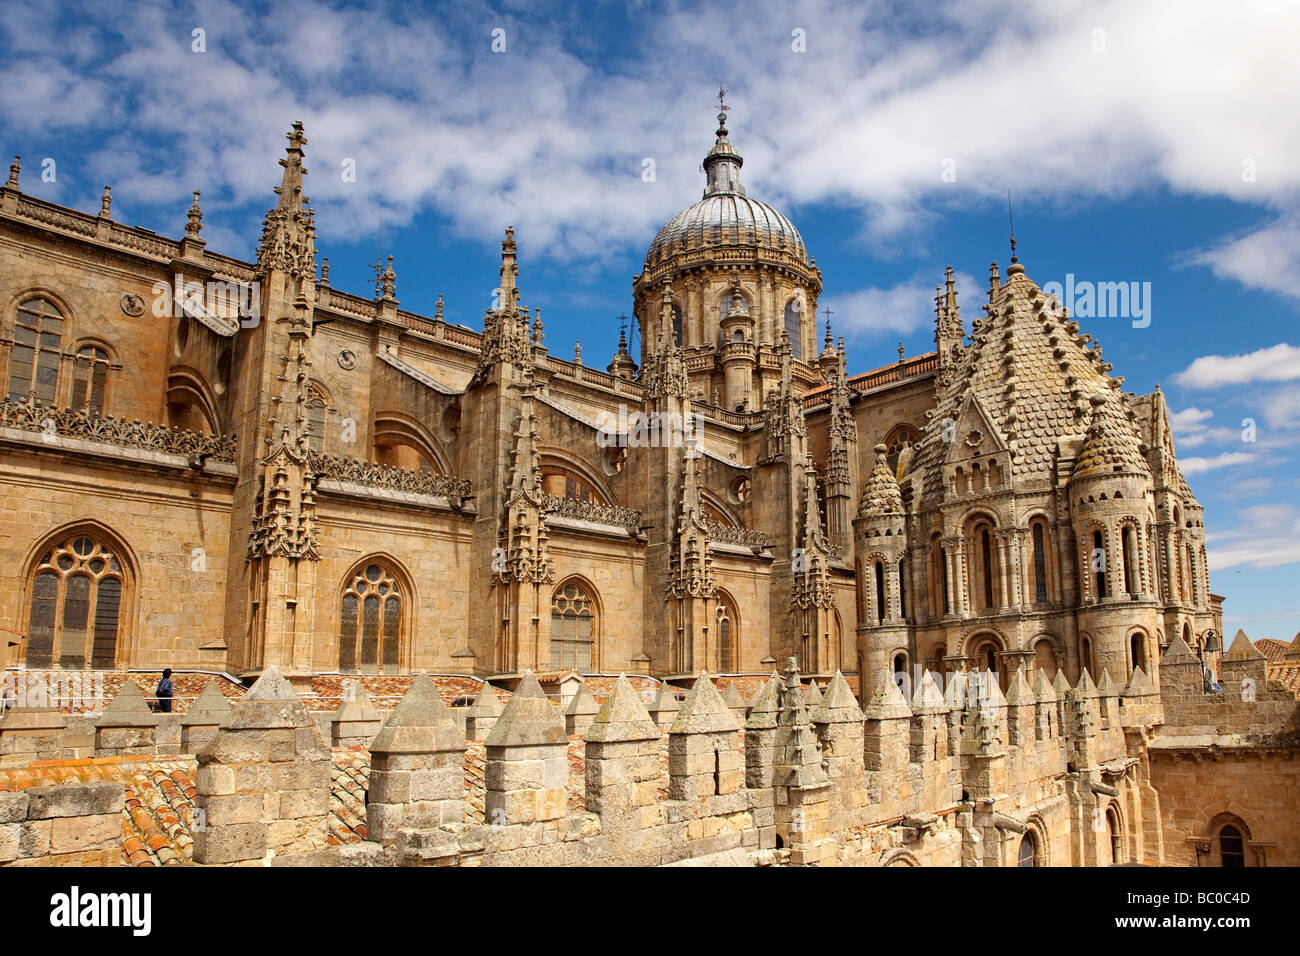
[(227, 465)]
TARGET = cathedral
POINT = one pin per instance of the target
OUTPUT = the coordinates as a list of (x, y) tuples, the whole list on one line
[(231, 467)]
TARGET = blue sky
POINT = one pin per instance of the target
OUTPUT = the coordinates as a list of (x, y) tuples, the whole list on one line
[(1151, 143)]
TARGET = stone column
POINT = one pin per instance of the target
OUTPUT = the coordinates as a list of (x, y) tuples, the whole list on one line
[(199, 724), (127, 728), (527, 773), (417, 767), (264, 780), (622, 760)]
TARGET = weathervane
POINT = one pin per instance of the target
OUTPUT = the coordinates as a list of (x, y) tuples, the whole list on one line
[(722, 94)]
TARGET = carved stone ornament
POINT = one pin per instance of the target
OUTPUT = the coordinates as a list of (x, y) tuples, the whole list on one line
[(132, 303), (347, 359)]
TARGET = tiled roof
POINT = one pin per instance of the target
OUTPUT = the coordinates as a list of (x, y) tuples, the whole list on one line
[(1286, 673), (1273, 651), (328, 690), (158, 816)]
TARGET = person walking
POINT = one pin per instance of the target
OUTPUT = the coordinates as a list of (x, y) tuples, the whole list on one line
[(164, 692)]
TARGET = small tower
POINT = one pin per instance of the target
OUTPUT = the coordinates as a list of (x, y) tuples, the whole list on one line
[(738, 352), (880, 530)]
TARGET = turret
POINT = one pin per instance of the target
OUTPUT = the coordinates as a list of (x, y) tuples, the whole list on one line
[(880, 533)]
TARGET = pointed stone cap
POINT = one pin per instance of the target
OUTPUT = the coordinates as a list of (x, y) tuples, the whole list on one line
[(665, 701), (1043, 689), (270, 704), (812, 695), (622, 717), (703, 711), (1179, 653), (419, 724), (1293, 651), (764, 712), (888, 702), (1243, 649), (1060, 686), (928, 696), (209, 708), (1086, 687), (1139, 685), (990, 692), (954, 695), (128, 709), (528, 719), (838, 706), (487, 703), (1019, 693), (1105, 686), (731, 697), (583, 702), (359, 708)]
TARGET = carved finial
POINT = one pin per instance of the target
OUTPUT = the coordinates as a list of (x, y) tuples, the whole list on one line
[(900, 353), (539, 330), (14, 169), (437, 309), (577, 352), (385, 281), (325, 271), (106, 203), (194, 225)]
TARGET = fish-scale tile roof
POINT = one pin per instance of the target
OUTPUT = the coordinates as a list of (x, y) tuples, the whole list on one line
[(880, 492), (1023, 338), (1112, 445)]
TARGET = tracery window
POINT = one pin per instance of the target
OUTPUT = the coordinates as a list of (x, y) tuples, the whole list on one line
[(34, 360), (573, 621), (76, 605), (370, 622), (90, 379)]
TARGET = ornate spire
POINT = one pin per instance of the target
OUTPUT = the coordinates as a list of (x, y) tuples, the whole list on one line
[(106, 203), (690, 572), (664, 374), (14, 169), (437, 309), (722, 164), (325, 272), (287, 233), (524, 534), (194, 218)]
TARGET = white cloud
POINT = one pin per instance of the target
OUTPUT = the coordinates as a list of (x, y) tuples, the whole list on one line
[(1277, 363), (1267, 535), (553, 143), (1267, 258), (1194, 466), (874, 313)]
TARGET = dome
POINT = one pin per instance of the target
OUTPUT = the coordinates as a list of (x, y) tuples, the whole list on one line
[(726, 216), (728, 219)]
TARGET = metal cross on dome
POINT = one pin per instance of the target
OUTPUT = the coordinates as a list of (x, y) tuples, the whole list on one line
[(722, 93)]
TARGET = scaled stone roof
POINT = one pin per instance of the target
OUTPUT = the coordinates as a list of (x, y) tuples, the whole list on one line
[(880, 492), (1112, 445), (1030, 373)]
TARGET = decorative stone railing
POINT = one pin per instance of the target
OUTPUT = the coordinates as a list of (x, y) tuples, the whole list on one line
[(68, 423), (593, 511), (375, 475), (745, 538)]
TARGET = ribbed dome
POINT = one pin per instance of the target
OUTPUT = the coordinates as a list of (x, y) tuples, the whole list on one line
[(726, 219), (726, 216)]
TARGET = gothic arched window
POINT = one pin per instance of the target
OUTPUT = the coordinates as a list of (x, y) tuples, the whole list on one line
[(76, 605), (727, 648), (573, 620), (794, 327), (34, 359), (1028, 848), (90, 379), (370, 622)]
